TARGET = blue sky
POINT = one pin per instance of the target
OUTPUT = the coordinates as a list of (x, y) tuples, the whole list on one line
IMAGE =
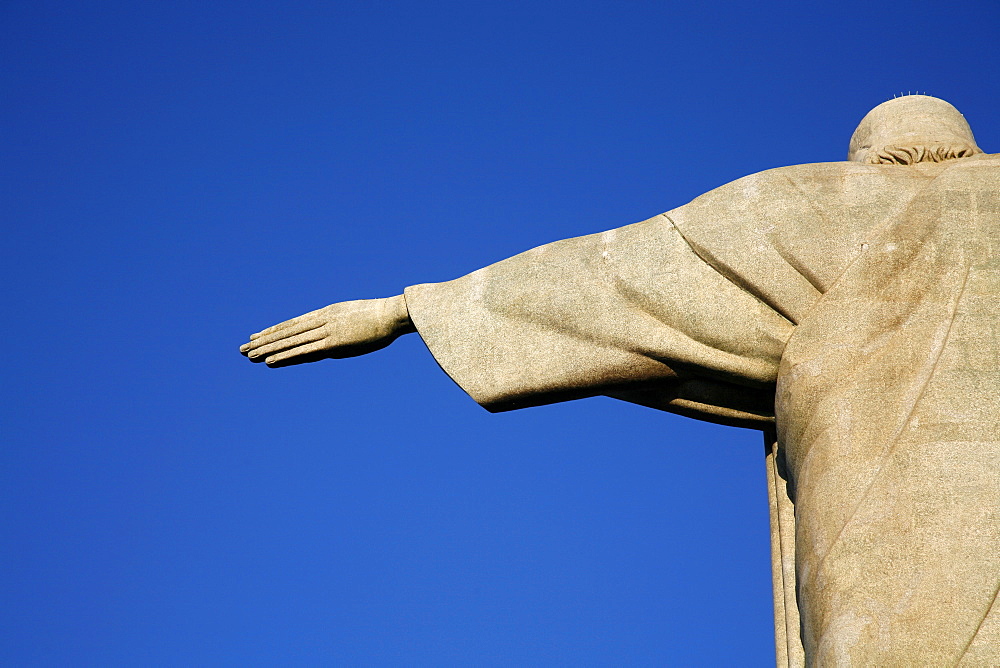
[(178, 175)]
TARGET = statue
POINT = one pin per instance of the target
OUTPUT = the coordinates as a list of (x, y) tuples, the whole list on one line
[(849, 310)]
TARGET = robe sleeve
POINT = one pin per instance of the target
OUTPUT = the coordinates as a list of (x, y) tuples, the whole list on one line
[(633, 313)]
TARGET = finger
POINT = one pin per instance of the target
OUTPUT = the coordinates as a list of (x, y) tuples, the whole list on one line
[(280, 326), (293, 330), (300, 328), (258, 354), (287, 323), (305, 353)]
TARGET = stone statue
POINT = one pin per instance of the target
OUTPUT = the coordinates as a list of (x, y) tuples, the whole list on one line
[(849, 310)]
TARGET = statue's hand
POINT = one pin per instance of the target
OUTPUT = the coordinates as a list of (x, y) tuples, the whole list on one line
[(340, 330)]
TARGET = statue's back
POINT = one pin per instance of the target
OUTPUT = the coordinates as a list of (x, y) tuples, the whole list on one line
[(888, 410)]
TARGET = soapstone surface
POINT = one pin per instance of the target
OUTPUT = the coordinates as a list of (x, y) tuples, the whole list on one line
[(849, 310)]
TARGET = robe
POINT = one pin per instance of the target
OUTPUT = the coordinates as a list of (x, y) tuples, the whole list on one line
[(849, 311)]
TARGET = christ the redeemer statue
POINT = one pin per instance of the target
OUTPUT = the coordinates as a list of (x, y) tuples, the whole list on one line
[(850, 310)]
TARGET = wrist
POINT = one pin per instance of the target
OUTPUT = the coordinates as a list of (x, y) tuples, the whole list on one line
[(399, 315)]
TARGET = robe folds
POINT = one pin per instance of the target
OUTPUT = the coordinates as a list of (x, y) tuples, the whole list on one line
[(852, 310)]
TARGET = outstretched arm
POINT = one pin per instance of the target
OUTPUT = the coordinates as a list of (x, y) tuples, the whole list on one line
[(635, 309), (345, 329)]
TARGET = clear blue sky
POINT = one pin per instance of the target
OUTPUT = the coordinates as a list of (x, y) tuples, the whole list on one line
[(177, 175)]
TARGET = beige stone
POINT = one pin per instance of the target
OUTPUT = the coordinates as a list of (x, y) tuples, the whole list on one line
[(847, 309)]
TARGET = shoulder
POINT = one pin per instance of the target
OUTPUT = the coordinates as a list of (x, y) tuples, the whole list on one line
[(781, 185), (777, 189), (801, 180)]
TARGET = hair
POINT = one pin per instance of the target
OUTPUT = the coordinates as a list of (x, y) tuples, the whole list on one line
[(911, 155)]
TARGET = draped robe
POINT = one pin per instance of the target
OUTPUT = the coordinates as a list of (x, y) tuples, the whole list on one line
[(852, 313)]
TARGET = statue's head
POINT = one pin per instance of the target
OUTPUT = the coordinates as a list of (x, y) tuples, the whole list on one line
[(912, 129)]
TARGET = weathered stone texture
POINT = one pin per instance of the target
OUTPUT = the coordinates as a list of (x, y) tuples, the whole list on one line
[(848, 309)]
